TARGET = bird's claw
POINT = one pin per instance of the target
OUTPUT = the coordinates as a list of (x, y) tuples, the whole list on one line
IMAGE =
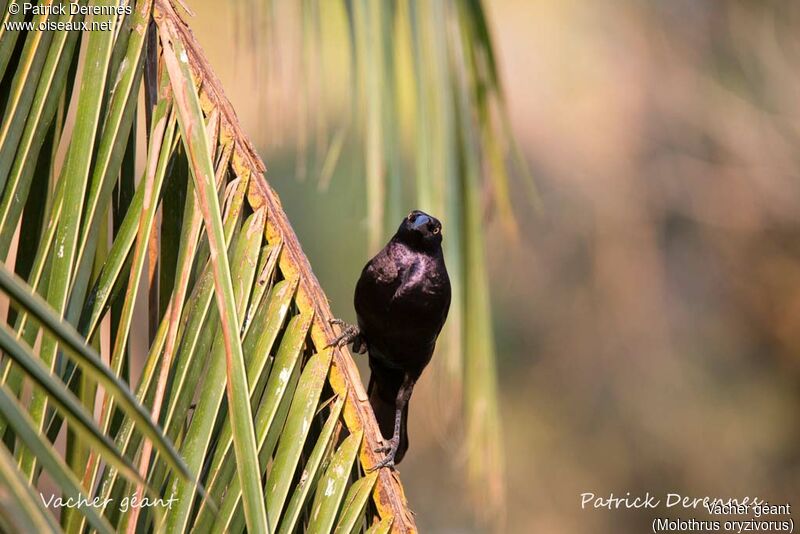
[(350, 334), (390, 448), (385, 447), (386, 462)]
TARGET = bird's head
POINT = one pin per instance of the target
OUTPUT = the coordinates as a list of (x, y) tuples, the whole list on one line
[(420, 231)]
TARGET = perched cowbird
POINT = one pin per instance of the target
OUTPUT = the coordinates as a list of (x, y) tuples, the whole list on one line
[(401, 301)]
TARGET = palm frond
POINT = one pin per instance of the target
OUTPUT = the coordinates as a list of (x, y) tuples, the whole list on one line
[(197, 262)]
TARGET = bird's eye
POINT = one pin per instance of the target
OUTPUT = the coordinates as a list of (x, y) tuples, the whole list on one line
[(436, 230)]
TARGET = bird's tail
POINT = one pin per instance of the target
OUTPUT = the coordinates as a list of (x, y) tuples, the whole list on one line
[(382, 398)]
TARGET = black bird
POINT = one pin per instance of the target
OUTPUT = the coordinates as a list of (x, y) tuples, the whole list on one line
[(401, 301)]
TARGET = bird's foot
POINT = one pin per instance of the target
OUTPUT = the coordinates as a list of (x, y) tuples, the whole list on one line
[(390, 448), (350, 334), (384, 447)]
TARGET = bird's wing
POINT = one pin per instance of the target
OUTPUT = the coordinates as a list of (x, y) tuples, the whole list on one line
[(381, 269)]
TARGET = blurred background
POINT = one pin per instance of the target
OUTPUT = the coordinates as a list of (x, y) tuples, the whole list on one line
[(647, 316)]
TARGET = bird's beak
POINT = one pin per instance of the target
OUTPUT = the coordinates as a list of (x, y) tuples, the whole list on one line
[(420, 221)]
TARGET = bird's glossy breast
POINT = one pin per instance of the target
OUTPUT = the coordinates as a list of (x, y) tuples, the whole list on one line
[(401, 320)]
